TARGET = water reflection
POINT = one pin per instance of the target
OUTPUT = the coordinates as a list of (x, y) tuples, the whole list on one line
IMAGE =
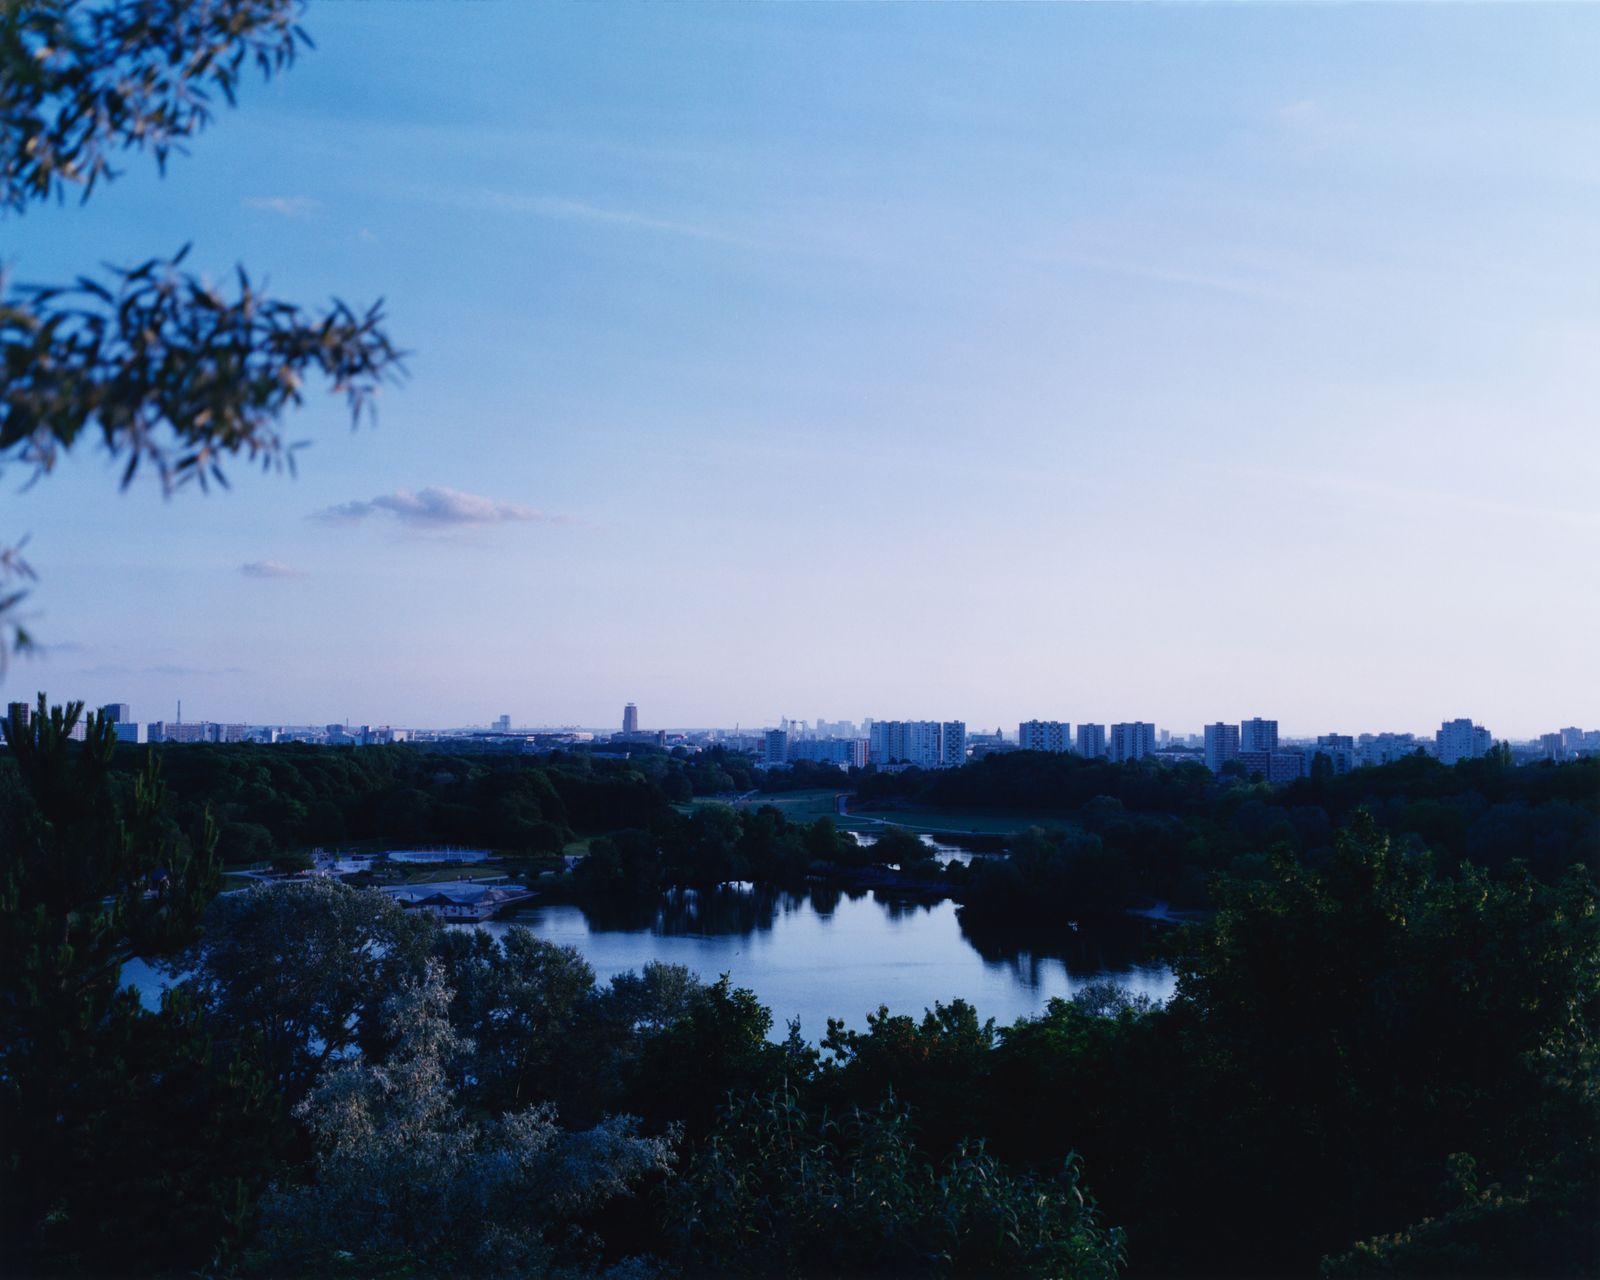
[(841, 953), (1108, 946), (727, 909), (948, 847)]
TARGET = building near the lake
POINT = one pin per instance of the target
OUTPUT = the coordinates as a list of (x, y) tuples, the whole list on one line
[(1044, 735), (1131, 740), (926, 744), (844, 752), (1222, 745), (1092, 740), (1461, 740), (1257, 734), (1273, 766)]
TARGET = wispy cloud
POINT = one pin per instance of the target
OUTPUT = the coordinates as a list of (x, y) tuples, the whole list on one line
[(283, 206), (163, 669), (270, 569), (562, 209), (435, 507), (61, 648)]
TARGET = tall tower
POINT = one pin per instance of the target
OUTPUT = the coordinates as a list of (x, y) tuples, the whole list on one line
[(1258, 735), (630, 719)]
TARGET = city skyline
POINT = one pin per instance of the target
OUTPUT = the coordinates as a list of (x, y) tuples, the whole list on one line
[(914, 358), (1218, 741)]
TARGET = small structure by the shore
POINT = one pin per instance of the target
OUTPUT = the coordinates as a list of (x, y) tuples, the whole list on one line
[(461, 901)]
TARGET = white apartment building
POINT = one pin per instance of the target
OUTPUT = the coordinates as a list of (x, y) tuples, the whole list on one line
[(1131, 740), (918, 742), (1461, 740), (1091, 740), (1222, 745), (1258, 735), (1384, 748), (1044, 735)]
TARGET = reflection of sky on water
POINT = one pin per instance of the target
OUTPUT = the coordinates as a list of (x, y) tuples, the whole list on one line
[(833, 953), (943, 849), (842, 954)]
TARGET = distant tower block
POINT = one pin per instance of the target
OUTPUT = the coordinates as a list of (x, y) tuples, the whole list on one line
[(630, 719)]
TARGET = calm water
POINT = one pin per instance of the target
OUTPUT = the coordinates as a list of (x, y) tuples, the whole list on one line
[(826, 954)]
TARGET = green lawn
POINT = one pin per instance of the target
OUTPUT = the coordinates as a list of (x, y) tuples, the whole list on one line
[(796, 806), (808, 806), (984, 822)]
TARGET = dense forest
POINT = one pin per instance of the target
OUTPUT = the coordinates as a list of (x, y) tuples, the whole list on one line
[(1381, 1058)]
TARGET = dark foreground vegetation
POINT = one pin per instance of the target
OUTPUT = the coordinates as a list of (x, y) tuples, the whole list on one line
[(1381, 1059)]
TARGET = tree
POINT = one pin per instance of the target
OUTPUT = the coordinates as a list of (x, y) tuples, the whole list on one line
[(299, 971), (776, 1192), (98, 1095), (163, 368), (1388, 1017), (522, 1000), (405, 1179)]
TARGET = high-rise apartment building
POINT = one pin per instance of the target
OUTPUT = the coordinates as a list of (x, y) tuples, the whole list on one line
[(1222, 745), (1385, 748), (1273, 766), (1044, 735), (1092, 740), (1258, 735), (844, 752), (117, 712), (952, 744), (775, 747), (1131, 740), (630, 718), (928, 744), (503, 724), (1340, 754), (1461, 740)]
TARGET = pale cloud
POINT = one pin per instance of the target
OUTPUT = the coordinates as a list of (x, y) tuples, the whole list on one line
[(562, 209), (434, 507), (175, 670), (270, 569), (284, 206)]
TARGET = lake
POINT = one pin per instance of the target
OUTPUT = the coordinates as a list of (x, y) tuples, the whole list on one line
[(828, 954)]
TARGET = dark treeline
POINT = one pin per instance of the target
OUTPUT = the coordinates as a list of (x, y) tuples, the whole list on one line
[(1141, 831), (269, 799), (1381, 1060), (1120, 835)]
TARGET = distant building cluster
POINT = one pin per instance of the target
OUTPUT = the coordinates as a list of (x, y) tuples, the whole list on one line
[(920, 744), (1252, 748), (1569, 743)]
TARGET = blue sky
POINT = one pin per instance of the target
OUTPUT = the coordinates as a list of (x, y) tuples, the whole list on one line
[(1156, 362)]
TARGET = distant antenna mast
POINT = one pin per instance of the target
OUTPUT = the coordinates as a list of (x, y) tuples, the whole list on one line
[(180, 710)]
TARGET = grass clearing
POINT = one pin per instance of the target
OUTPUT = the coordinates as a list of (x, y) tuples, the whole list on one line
[(982, 822), (808, 806), (796, 806)]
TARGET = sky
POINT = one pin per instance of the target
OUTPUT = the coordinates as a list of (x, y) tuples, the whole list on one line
[(1170, 362)]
